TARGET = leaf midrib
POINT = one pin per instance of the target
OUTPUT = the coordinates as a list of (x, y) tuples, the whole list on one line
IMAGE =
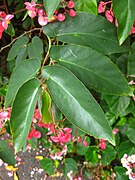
[(91, 72), (56, 82)]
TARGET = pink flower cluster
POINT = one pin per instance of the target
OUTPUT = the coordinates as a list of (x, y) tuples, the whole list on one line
[(110, 15), (63, 136), (35, 10), (34, 134), (128, 162), (4, 21)]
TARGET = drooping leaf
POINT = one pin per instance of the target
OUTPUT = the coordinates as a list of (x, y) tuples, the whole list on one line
[(76, 102), (22, 73), (131, 61), (20, 43), (86, 6), (87, 30), (35, 48), (94, 69), (108, 155), (47, 165), (22, 112), (46, 108), (125, 18), (6, 154), (51, 7)]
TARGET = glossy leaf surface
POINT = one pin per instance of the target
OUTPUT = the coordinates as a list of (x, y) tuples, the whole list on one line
[(22, 112), (76, 102), (87, 30), (22, 72), (94, 69), (6, 154), (51, 7), (125, 18)]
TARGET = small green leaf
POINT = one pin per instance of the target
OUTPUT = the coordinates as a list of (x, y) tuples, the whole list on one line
[(47, 165), (17, 46), (35, 48), (108, 155), (81, 149), (46, 108), (22, 112), (6, 154), (51, 7), (70, 164), (22, 73), (92, 155), (86, 6), (120, 173), (76, 102), (94, 69), (125, 18), (87, 30)]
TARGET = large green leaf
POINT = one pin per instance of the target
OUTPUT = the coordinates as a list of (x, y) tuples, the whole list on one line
[(87, 30), (6, 154), (35, 48), (94, 69), (22, 112), (47, 165), (86, 6), (22, 72), (76, 102), (124, 11), (17, 46), (51, 7)]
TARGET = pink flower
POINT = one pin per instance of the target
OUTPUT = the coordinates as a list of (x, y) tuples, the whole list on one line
[(31, 9), (3, 115), (61, 138), (79, 139), (6, 20), (72, 13), (42, 20), (109, 15), (34, 133), (37, 114), (2, 14), (102, 144), (101, 7), (85, 143), (54, 139), (30, 6), (67, 130), (115, 131), (70, 4), (132, 30), (61, 17)]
